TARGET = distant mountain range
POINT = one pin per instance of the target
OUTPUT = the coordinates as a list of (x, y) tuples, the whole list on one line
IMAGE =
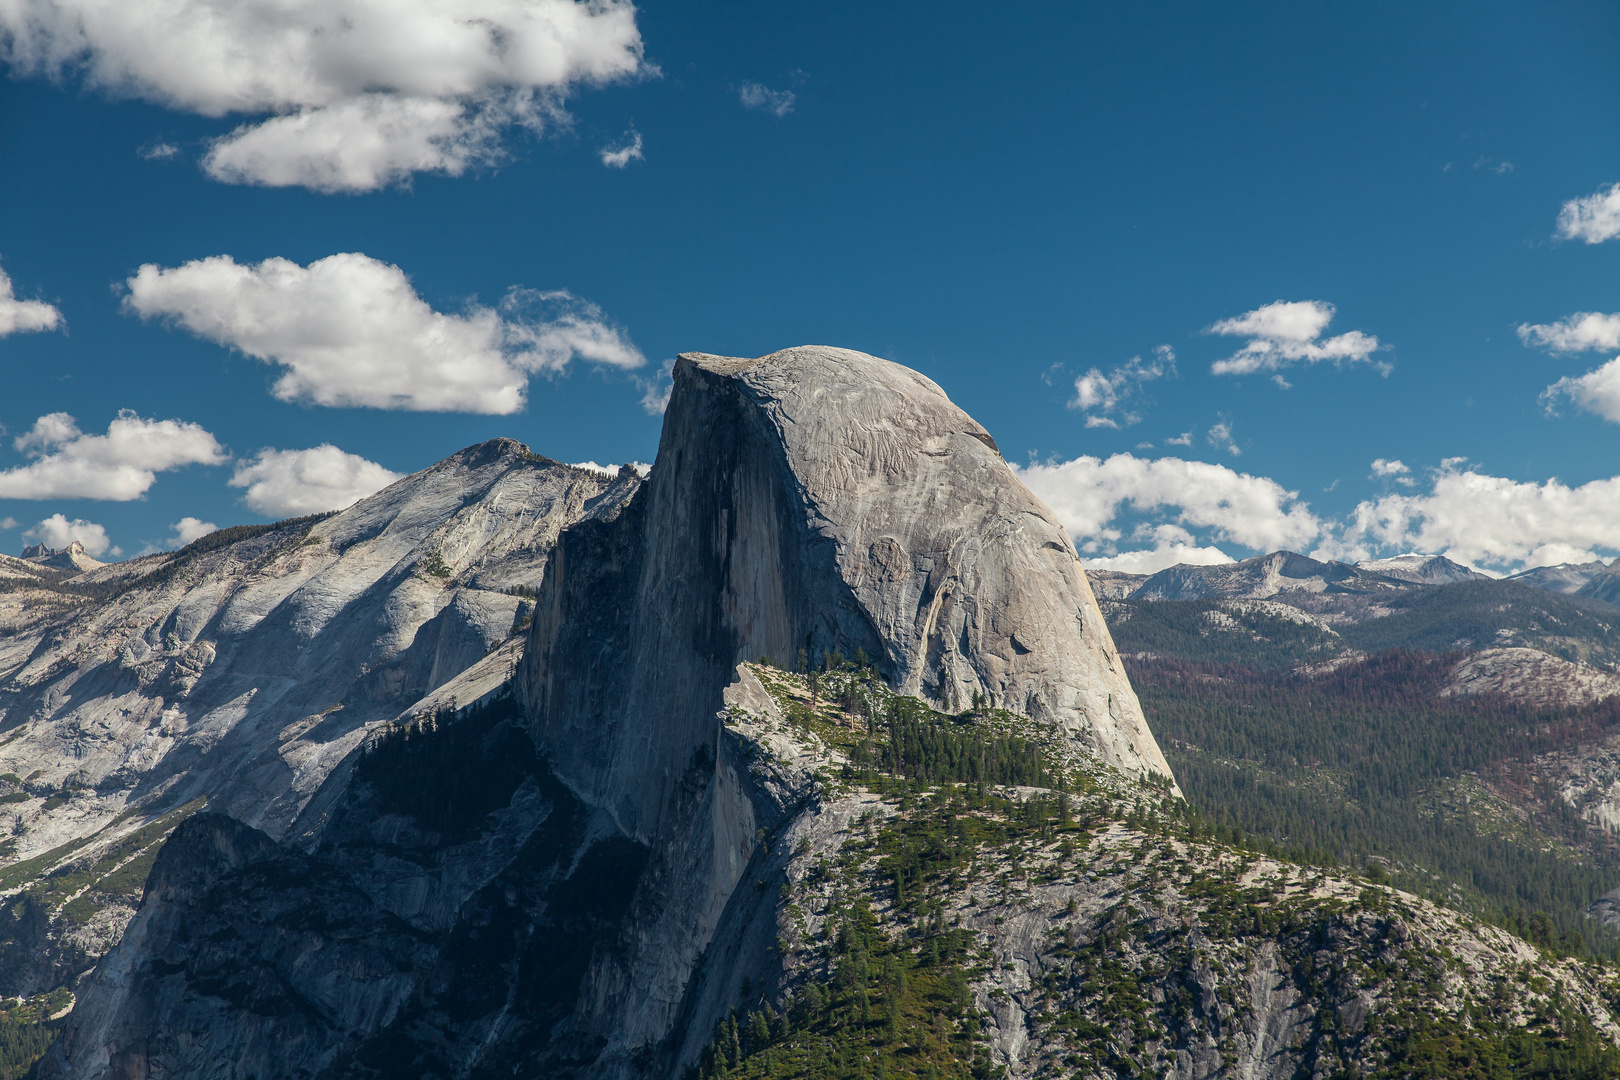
[(1267, 576), (1411, 712)]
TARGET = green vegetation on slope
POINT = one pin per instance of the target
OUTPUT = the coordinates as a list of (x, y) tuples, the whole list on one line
[(27, 1031), (888, 994), (894, 1007)]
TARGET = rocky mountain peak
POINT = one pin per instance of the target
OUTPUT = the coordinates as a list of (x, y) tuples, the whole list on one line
[(1422, 569), (1261, 577), (1560, 578), (1603, 585), (73, 557), (247, 672), (810, 502)]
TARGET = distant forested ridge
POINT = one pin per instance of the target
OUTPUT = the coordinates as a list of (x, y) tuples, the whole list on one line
[(1366, 767)]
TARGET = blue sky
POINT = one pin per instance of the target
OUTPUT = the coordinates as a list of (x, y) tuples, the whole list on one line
[(1004, 200)]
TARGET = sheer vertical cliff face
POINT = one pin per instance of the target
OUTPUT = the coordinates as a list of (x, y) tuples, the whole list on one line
[(816, 499)]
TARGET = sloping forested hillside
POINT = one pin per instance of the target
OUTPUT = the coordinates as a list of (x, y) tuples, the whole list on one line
[(1367, 767)]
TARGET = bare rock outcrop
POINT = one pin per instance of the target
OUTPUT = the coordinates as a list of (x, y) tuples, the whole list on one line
[(1531, 676), (815, 499)]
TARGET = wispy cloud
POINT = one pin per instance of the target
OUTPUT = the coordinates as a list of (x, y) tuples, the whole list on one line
[(1592, 218), (1580, 332), (1392, 469), (1285, 333), (656, 390), (158, 151), (755, 95), (349, 330), (24, 316), (1104, 398), (1220, 437), (628, 149)]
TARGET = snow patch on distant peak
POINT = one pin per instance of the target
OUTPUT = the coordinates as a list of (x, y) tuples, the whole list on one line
[(1423, 569)]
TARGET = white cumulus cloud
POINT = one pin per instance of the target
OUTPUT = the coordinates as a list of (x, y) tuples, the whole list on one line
[(1152, 560), (1089, 495), (291, 483), (23, 316), (188, 529), (1581, 332), (755, 95), (1478, 519), (622, 153), (58, 532), (1287, 332), (1593, 218), (1172, 546), (350, 330), (342, 95), (1104, 398), (118, 466), (643, 469), (1142, 515), (1597, 391)]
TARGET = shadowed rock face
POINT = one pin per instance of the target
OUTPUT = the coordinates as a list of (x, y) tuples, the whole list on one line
[(246, 672)]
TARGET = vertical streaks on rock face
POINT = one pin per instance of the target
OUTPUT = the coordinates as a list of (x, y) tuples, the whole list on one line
[(643, 619)]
